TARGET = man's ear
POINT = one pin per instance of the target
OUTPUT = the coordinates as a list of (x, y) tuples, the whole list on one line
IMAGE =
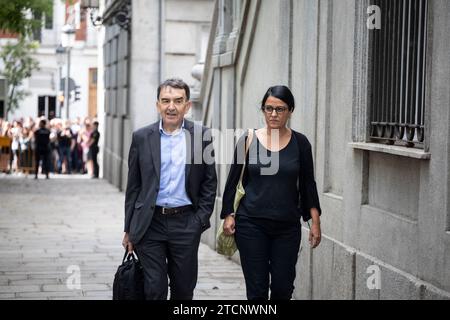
[(158, 107), (188, 106)]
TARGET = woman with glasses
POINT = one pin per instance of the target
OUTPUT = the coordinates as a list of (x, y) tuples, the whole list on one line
[(279, 188)]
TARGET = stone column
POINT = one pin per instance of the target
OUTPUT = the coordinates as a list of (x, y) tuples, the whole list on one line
[(236, 25), (225, 24), (145, 62)]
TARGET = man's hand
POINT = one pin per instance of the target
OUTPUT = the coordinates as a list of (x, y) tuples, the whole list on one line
[(127, 244), (228, 225)]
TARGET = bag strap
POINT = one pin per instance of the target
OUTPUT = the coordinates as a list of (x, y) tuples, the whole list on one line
[(127, 256), (247, 147)]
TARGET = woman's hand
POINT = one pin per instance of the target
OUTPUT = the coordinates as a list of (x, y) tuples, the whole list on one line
[(315, 234), (228, 225)]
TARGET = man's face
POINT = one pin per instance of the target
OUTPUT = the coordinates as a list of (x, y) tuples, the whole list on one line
[(172, 106)]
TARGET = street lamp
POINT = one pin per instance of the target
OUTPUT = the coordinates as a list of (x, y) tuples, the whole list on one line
[(60, 59), (93, 5), (67, 41)]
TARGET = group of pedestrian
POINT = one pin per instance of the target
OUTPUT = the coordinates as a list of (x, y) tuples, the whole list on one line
[(56, 146), (169, 198)]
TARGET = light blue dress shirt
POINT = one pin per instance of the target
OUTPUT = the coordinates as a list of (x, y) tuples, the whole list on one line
[(172, 189)]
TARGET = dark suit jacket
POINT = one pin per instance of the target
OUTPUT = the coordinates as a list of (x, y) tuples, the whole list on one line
[(308, 197), (144, 167)]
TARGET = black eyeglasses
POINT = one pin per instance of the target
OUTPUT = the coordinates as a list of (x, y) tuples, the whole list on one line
[(270, 109)]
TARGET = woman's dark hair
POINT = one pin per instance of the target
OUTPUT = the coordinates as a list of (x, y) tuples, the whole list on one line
[(280, 92)]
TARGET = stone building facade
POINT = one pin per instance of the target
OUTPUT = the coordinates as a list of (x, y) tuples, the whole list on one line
[(384, 183)]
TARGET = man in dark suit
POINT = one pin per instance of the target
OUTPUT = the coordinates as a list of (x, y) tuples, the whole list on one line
[(170, 195), (42, 141)]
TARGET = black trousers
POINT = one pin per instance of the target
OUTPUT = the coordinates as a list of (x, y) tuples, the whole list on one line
[(268, 251), (168, 251), (45, 157), (95, 161)]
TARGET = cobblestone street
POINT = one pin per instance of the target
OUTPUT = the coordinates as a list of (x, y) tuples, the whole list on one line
[(52, 228)]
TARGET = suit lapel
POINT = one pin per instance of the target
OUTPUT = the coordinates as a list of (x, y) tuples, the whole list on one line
[(155, 149), (189, 133)]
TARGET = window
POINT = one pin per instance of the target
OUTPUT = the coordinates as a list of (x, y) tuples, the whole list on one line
[(2, 109), (397, 101), (3, 90), (93, 76), (48, 21), (47, 106)]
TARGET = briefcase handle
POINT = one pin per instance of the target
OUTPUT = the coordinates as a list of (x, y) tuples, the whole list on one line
[(128, 256)]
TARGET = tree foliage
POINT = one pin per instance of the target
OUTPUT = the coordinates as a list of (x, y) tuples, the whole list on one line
[(23, 16), (18, 65)]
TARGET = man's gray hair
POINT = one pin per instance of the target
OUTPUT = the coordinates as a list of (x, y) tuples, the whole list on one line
[(176, 83)]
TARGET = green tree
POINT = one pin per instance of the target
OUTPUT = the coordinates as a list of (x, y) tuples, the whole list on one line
[(23, 16), (18, 64)]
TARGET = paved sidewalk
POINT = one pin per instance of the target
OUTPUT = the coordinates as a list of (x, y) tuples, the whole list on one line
[(53, 230)]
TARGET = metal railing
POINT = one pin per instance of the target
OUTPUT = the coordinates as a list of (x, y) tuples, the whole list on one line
[(5, 154), (398, 69), (26, 161)]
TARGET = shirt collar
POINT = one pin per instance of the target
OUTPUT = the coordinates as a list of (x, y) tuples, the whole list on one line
[(177, 132)]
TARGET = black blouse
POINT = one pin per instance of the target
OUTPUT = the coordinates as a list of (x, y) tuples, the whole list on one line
[(306, 190), (271, 191)]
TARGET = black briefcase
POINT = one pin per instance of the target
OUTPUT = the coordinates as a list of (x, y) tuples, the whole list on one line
[(129, 279)]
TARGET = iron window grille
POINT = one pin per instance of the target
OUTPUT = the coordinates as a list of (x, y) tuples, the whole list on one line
[(398, 73)]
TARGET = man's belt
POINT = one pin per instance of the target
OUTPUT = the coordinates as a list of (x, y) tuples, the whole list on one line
[(171, 211)]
